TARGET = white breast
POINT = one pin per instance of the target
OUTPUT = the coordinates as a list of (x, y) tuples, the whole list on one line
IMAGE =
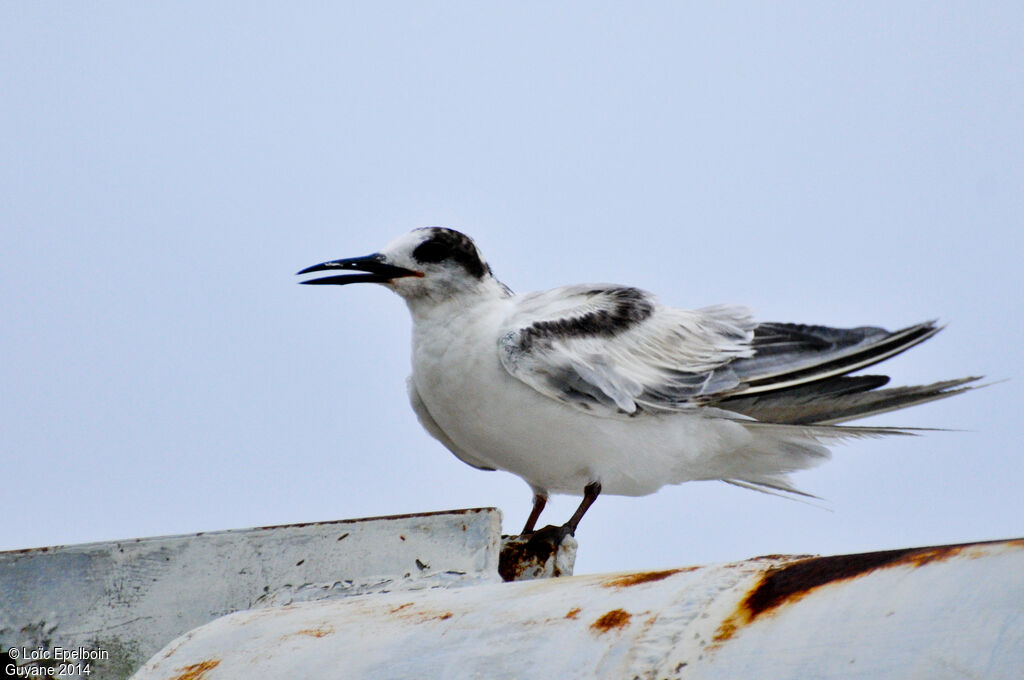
[(510, 426)]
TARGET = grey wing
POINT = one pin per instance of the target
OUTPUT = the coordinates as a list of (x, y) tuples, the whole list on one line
[(797, 374), (612, 350), (787, 354), (435, 431)]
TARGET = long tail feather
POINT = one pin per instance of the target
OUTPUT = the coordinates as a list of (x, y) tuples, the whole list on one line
[(789, 355), (838, 400)]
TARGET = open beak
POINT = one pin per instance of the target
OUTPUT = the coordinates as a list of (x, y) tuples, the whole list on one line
[(378, 271)]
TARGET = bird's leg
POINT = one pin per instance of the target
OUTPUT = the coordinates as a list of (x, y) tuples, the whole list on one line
[(590, 493), (539, 501), (553, 536)]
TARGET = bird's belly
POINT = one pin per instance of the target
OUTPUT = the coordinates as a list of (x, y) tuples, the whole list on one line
[(555, 447)]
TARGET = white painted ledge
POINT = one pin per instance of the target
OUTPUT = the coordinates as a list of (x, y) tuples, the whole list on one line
[(928, 613), (130, 598)]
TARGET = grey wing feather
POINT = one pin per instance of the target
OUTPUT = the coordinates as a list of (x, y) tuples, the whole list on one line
[(786, 355), (839, 400), (798, 374), (614, 350), (773, 486), (435, 431)]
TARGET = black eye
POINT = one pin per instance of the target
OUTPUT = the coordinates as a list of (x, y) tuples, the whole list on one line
[(432, 251)]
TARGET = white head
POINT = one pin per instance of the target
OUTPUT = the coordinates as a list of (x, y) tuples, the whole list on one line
[(431, 264)]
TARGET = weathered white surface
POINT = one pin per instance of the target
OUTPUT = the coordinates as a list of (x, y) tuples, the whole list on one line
[(948, 612), (133, 597)]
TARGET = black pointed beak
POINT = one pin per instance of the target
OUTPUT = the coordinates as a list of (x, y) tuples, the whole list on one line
[(378, 270)]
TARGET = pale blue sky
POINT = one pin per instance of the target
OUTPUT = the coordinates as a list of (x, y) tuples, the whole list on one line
[(166, 168)]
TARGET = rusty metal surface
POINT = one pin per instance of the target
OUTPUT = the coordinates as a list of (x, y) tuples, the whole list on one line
[(930, 613), (524, 559), (130, 598)]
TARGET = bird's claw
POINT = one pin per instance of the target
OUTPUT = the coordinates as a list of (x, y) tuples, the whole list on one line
[(550, 535)]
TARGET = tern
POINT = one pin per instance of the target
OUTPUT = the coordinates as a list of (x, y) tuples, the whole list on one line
[(599, 388)]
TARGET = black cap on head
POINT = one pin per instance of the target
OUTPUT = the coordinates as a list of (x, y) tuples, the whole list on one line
[(447, 244)]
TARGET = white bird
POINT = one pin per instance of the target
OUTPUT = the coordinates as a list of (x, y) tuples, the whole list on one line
[(599, 388)]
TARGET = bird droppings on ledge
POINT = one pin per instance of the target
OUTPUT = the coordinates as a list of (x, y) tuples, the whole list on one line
[(525, 559)]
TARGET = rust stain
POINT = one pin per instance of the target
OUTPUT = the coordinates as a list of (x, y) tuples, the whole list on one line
[(318, 632), (27, 551), (643, 577), (573, 613), (196, 671), (520, 556), (403, 612), (616, 618), (726, 630), (924, 556), (792, 582)]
